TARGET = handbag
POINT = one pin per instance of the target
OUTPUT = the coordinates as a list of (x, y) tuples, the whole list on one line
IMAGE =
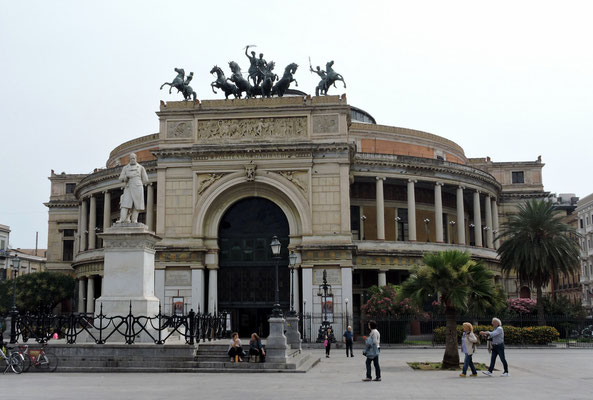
[(325, 343)]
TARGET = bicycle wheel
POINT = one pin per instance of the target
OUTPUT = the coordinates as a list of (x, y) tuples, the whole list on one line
[(26, 362), (48, 361), (16, 363)]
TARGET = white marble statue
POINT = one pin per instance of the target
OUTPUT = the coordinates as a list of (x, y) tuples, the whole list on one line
[(132, 201)]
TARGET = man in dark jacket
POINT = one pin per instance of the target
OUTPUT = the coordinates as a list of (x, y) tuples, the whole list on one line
[(349, 339)]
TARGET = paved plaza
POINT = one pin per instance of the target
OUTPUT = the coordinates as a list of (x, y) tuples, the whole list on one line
[(541, 374)]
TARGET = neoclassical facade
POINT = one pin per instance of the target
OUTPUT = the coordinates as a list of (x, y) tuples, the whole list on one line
[(358, 200)]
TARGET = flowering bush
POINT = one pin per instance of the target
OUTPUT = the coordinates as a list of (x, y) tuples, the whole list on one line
[(521, 306), (384, 302)]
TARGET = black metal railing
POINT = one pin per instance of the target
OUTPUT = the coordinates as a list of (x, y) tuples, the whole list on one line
[(100, 329)]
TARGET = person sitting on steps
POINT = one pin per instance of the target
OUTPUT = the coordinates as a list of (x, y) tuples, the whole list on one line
[(235, 350), (256, 348)]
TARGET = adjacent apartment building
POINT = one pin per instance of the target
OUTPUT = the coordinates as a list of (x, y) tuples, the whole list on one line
[(585, 228)]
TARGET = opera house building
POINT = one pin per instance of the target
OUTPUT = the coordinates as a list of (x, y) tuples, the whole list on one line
[(356, 199)]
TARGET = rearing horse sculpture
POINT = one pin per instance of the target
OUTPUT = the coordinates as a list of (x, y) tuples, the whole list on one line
[(221, 82), (332, 76), (268, 80), (243, 84), (282, 85), (177, 82)]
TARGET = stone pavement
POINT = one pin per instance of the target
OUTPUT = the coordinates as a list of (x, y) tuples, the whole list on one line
[(535, 374)]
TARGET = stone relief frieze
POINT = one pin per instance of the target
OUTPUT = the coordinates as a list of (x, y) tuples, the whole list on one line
[(179, 129), (325, 123), (206, 180), (252, 128), (299, 179)]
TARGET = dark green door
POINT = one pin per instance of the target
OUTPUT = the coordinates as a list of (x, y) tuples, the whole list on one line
[(246, 281)]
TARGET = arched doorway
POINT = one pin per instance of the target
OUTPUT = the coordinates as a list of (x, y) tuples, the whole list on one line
[(246, 281), (525, 293)]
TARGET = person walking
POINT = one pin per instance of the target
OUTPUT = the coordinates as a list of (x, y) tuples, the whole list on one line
[(349, 340), (497, 337), (371, 351), (468, 346), (329, 338)]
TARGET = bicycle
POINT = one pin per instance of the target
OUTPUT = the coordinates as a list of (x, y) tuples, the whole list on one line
[(39, 358), (13, 360)]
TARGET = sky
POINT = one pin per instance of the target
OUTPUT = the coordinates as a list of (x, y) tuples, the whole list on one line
[(512, 80)]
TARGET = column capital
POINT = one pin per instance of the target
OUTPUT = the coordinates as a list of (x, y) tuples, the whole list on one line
[(380, 178), (478, 191), (149, 184), (410, 180), (439, 184), (461, 187)]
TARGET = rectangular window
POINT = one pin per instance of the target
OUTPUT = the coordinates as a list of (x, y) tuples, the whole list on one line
[(2, 244), (402, 224), (68, 250), (70, 187), (518, 177), (68, 232), (581, 223)]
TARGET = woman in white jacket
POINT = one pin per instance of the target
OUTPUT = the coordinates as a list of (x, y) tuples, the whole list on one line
[(468, 346)]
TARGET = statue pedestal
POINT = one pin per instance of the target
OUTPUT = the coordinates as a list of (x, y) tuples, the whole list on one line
[(276, 341), (293, 336), (128, 271)]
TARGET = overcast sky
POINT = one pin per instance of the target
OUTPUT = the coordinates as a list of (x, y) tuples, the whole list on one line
[(508, 79)]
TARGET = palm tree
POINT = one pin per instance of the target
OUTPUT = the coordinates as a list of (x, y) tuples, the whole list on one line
[(459, 281), (538, 245)]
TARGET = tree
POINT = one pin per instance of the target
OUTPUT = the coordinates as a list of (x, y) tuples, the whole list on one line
[(38, 291), (460, 282), (538, 245)]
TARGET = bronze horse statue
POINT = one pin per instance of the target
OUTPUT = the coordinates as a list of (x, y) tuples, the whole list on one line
[(181, 85), (243, 84), (332, 76), (221, 82), (268, 80), (282, 85)]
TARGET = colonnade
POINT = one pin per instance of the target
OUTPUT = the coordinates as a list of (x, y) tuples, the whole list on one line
[(87, 221), (484, 234), (86, 293)]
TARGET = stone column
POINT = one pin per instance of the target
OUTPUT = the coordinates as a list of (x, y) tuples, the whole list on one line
[(297, 295), (93, 223), (159, 286), (77, 239), (307, 273), (495, 222), (438, 212), (150, 207), (84, 225), (460, 217), (198, 286), (212, 288), (90, 295), (380, 209), (477, 219), (362, 218), (106, 210), (411, 211), (382, 279), (488, 210), (81, 295)]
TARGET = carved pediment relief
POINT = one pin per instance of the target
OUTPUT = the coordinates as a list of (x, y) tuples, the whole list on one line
[(252, 128), (206, 180), (298, 178), (325, 123)]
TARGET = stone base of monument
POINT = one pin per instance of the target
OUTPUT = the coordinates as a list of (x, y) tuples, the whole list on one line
[(293, 336), (128, 272), (276, 345)]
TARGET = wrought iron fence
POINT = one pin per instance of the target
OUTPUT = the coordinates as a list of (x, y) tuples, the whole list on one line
[(100, 329), (412, 331)]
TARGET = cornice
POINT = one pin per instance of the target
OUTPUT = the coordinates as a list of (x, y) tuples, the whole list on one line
[(410, 163), (61, 204)]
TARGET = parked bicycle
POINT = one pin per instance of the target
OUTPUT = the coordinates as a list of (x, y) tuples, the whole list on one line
[(13, 360), (39, 358)]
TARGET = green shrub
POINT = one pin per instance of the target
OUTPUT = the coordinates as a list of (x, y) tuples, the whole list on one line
[(539, 335)]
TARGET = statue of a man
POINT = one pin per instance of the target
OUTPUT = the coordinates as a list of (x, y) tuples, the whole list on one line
[(132, 201)]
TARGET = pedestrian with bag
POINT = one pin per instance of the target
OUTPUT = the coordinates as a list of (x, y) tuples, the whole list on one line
[(349, 340), (468, 347), (497, 338), (372, 350)]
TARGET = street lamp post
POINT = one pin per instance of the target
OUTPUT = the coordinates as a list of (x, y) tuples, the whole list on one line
[(292, 259), (276, 246), (16, 264), (452, 223), (347, 322), (303, 323), (325, 291)]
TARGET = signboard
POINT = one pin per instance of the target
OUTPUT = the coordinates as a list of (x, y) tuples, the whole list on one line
[(177, 277), (178, 306), (334, 276)]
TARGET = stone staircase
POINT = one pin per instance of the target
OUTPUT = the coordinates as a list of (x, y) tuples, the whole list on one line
[(212, 357), (203, 357)]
